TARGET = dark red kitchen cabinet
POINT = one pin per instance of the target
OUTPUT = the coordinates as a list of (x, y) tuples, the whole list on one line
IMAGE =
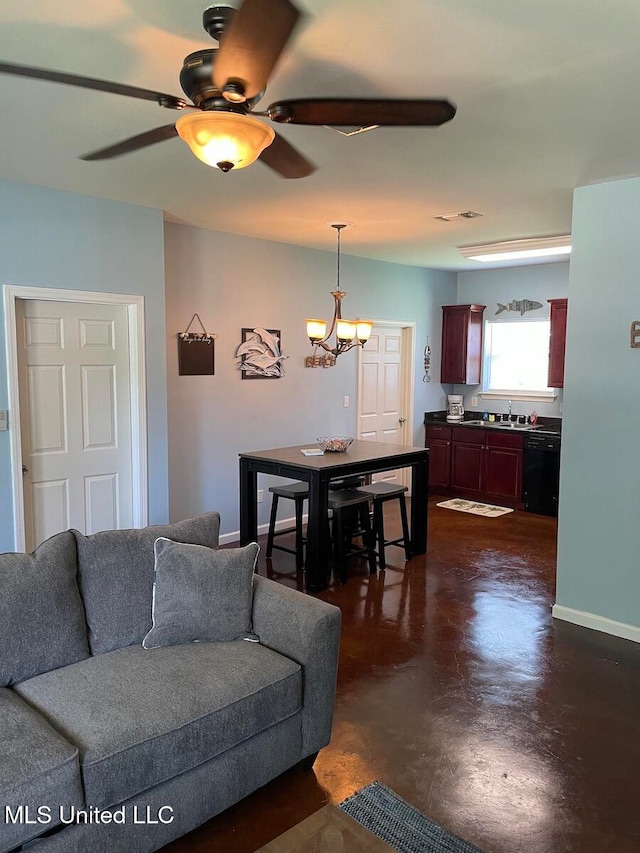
[(503, 468), (439, 443), (467, 460), (557, 342), (461, 361)]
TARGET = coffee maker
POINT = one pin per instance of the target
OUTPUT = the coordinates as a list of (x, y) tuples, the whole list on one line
[(455, 409)]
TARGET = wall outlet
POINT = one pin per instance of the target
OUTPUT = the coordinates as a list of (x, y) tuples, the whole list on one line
[(346, 402), (474, 402), (260, 495)]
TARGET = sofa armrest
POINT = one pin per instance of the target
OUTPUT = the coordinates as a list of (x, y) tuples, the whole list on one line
[(306, 630)]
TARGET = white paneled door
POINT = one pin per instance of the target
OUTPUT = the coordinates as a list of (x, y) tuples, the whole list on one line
[(75, 413), (381, 391)]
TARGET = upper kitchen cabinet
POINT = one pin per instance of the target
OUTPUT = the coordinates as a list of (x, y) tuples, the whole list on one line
[(461, 362), (557, 340)]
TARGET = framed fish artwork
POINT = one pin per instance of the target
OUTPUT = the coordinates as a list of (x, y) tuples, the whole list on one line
[(521, 305), (260, 354)]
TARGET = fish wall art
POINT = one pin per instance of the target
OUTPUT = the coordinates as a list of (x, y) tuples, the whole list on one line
[(520, 305), (260, 354)]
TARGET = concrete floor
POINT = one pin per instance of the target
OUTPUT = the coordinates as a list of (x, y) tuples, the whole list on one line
[(458, 690)]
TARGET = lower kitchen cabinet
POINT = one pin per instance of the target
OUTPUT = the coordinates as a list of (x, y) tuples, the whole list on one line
[(439, 444), (475, 464), (467, 461), (503, 468)]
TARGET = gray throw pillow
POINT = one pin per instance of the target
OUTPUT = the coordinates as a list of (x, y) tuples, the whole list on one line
[(115, 575), (42, 623), (200, 594)]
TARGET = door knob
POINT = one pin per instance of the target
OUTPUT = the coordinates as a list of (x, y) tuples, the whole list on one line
[(25, 470), (402, 420)]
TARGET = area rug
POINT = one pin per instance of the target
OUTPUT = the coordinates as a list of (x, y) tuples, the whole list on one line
[(475, 508), (387, 815)]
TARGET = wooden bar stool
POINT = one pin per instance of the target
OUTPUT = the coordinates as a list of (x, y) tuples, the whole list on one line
[(379, 494), (347, 505), (298, 493)]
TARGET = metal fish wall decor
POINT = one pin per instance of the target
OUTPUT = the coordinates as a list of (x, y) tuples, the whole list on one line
[(520, 305)]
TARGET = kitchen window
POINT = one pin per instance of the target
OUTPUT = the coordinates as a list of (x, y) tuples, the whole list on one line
[(516, 359)]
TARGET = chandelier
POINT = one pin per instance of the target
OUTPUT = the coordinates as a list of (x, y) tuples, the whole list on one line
[(349, 333)]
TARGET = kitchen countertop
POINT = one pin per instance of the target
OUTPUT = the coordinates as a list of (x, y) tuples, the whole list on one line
[(545, 426)]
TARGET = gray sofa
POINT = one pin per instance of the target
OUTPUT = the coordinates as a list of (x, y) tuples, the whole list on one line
[(108, 746)]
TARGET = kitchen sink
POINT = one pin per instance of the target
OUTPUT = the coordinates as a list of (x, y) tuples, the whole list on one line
[(501, 424)]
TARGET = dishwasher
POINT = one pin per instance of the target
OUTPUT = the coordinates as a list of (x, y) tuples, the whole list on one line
[(541, 473)]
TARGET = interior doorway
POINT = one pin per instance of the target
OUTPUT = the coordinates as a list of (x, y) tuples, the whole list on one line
[(386, 389), (77, 410)]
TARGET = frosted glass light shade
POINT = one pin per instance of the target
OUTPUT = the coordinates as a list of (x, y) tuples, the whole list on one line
[(363, 330), (225, 140), (316, 329), (346, 330)]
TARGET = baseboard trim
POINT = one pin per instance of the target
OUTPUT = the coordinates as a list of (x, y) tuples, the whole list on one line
[(263, 529), (597, 623)]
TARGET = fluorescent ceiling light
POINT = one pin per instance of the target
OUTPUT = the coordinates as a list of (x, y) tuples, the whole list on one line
[(517, 249)]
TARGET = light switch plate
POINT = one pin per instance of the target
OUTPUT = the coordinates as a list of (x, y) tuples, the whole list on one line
[(4, 419)]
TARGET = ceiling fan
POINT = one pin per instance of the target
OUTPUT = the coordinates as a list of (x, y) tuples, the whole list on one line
[(224, 84)]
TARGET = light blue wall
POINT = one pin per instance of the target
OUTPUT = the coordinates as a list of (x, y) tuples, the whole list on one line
[(599, 529), (62, 240), (536, 282), (235, 282)]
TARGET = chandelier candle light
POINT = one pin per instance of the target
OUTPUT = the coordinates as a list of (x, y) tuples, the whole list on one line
[(349, 333)]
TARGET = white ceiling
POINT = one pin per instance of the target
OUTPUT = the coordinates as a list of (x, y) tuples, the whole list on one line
[(547, 94)]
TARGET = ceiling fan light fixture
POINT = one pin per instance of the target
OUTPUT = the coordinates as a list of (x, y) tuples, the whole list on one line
[(225, 140)]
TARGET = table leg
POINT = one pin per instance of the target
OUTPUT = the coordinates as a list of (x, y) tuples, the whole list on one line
[(419, 506), (248, 503), (317, 554)]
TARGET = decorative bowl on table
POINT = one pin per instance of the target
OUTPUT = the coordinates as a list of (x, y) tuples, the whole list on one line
[(334, 443)]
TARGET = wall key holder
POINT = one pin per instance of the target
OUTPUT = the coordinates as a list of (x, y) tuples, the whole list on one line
[(196, 351)]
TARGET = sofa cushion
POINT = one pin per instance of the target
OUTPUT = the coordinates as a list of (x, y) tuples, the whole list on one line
[(141, 716), (42, 622), (115, 573), (38, 770), (201, 594)]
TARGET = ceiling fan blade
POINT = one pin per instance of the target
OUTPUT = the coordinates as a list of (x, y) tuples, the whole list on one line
[(362, 112), (286, 160), (250, 47), (142, 140), (168, 101)]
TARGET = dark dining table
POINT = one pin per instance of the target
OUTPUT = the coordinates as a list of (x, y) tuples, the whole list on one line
[(362, 457)]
